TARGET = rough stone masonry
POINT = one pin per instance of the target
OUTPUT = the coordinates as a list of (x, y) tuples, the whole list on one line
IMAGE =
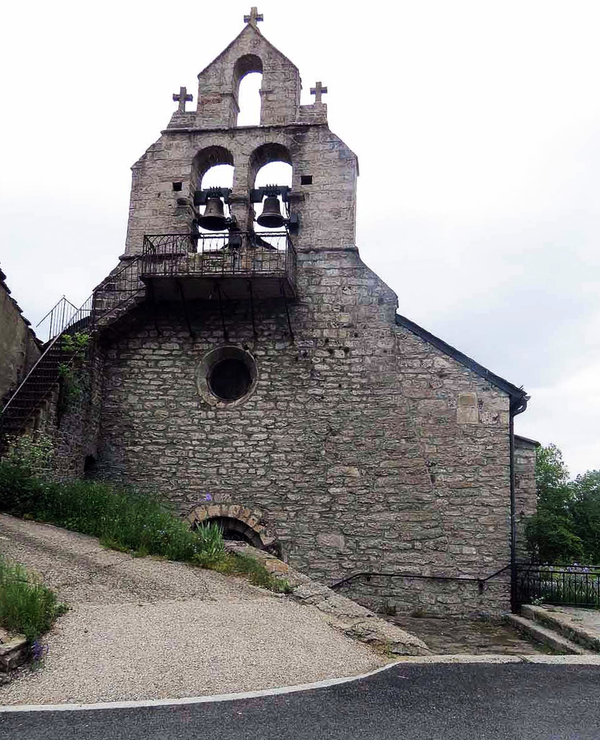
[(295, 406)]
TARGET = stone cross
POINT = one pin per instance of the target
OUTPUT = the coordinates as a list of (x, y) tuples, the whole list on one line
[(182, 98), (254, 17), (318, 91)]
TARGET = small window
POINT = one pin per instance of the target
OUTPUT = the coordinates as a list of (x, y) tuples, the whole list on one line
[(305, 179), (230, 379), (177, 186), (226, 376)]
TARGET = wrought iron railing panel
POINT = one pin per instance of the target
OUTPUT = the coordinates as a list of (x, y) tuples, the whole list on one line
[(576, 585), (219, 255)]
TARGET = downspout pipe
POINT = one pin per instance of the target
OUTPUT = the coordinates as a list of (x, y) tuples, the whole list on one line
[(518, 404)]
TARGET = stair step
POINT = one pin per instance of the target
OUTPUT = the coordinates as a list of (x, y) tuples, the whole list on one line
[(548, 637), (560, 623)]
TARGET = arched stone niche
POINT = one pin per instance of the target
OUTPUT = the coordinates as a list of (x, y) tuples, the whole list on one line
[(210, 156), (251, 519), (245, 65), (265, 154)]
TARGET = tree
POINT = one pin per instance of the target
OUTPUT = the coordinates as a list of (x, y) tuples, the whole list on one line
[(551, 535), (552, 480), (585, 509)]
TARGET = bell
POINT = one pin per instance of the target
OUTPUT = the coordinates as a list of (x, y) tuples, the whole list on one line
[(213, 217), (271, 217)]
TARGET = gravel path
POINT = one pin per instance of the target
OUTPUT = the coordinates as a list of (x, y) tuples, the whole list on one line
[(148, 629)]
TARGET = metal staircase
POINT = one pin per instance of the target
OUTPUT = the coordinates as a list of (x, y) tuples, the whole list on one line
[(170, 267), (110, 300)]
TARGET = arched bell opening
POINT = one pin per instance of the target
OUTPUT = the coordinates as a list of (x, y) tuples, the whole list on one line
[(212, 175), (247, 86), (271, 177)]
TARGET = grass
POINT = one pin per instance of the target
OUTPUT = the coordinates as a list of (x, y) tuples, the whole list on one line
[(126, 521), (123, 520), (26, 606), (254, 570)]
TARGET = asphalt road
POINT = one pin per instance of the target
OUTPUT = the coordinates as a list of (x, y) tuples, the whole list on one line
[(412, 702)]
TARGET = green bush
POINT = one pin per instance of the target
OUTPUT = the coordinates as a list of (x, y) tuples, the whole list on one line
[(26, 606), (122, 520), (32, 451)]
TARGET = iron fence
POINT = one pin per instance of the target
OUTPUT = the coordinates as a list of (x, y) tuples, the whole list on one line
[(576, 585), (218, 255)]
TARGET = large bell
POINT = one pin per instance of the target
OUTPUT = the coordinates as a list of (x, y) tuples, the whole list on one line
[(213, 217), (271, 217)]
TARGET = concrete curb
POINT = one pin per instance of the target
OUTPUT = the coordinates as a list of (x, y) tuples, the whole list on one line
[(430, 659), (339, 612)]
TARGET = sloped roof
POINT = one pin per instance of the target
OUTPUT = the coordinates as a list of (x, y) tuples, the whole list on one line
[(517, 395)]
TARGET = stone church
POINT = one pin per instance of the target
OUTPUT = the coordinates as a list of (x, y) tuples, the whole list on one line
[(248, 366)]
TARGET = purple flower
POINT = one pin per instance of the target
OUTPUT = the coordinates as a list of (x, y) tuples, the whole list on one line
[(38, 651), (208, 497)]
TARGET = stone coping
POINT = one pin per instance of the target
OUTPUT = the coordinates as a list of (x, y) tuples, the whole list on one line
[(339, 612)]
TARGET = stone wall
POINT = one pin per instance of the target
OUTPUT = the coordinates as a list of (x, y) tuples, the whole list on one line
[(19, 347), (362, 446), (525, 491), (326, 207), (450, 598), (73, 428)]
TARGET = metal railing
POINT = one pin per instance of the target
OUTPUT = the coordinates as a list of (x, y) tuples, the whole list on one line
[(479, 580), (176, 255), (267, 254), (63, 316), (575, 585), (235, 254)]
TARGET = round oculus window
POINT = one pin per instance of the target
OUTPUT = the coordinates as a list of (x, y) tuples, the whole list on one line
[(226, 376), (229, 379)]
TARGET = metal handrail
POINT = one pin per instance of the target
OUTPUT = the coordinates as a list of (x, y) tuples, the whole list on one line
[(26, 378), (86, 310), (62, 320), (480, 580)]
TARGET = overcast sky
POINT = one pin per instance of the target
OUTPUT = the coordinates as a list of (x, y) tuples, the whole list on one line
[(476, 124)]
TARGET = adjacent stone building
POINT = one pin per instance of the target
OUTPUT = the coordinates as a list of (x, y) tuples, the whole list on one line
[(263, 378), (19, 347)]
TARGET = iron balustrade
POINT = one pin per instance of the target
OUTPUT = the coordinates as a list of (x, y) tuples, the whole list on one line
[(575, 585), (234, 254)]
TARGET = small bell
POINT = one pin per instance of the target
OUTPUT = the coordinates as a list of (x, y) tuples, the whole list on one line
[(271, 217), (213, 218)]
